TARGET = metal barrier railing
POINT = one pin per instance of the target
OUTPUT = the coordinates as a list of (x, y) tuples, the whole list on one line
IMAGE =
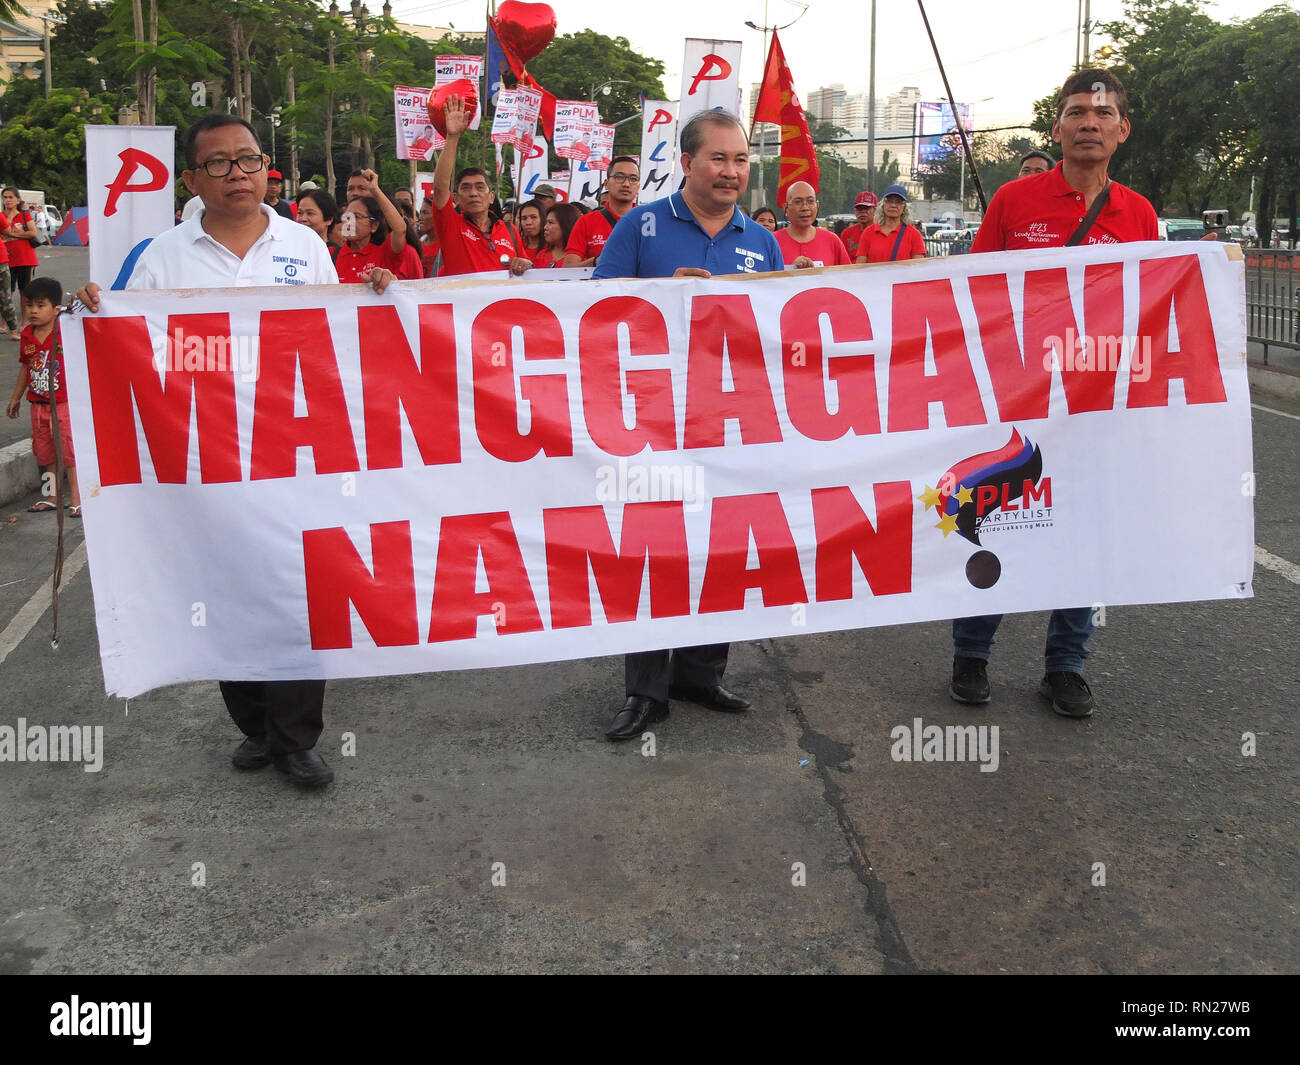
[(1273, 298), (940, 248)]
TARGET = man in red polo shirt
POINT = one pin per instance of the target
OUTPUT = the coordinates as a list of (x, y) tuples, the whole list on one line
[(472, 241), (1054, 210), (587, 240), (865, 209), (802, 244)]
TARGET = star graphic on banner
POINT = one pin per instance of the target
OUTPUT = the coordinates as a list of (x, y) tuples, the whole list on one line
[(930, 497), (947, 524), (965, 495)]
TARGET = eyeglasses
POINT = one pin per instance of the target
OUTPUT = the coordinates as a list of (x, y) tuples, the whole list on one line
[(627, 179), (249, 164), (802, 203)]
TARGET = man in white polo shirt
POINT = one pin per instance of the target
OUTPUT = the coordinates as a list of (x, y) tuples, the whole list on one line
[(237, 241)]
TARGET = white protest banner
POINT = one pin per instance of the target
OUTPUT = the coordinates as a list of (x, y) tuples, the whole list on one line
[(532, 168), (449, 68), (505, 118), (710, 78), (325, 482), (602, 147), (585, 183), (415, 133), (658, 140), (423, 186), (528, 105), (129, 182), (574, 122)]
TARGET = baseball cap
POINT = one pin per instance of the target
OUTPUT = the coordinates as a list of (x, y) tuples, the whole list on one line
[(896, 190), (544, 190), (865, 199), (274, 175), (308, 186)]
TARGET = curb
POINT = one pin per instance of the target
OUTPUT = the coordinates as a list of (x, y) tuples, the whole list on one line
[(19, 474), (1274, 381)]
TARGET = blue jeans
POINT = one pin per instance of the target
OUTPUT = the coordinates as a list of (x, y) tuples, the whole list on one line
[(1067, 638)]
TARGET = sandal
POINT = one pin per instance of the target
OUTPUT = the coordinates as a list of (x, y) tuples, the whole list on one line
[(74, 512), (43, 506)]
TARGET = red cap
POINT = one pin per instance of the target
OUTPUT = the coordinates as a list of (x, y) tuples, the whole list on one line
[(274, 175), (865, 199)]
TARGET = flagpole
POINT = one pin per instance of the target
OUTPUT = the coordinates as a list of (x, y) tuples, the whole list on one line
[(961, 126)]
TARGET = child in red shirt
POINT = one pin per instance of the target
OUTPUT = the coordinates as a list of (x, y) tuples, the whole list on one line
[(40, 372)]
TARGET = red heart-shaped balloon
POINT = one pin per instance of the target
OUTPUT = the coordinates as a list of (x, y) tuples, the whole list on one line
[(463, 88), (526, 29)]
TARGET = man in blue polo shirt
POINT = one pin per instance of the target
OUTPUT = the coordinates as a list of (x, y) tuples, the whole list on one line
[(697, 232)]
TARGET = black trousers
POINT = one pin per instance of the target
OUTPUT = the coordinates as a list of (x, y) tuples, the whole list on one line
[(649, 673), (290, 713), (20, 276)]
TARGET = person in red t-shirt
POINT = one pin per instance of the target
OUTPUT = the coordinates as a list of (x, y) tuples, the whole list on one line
[(588, 237), (532, 245), (374, 234), (40, 373), (429, 249), (473, 240), (803, 245), (894, 239), (6, 300), (1046, 211), (17, 227), (864, 208)]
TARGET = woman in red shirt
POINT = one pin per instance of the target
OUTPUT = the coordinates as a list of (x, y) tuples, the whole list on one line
[(894, 238), (374, 234), (17, 227), (531, 244)]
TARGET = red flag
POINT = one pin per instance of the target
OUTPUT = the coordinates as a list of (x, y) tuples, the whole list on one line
[(779, 104), (524, 78)]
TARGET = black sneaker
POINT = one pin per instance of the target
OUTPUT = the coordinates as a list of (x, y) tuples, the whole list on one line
[(970, 681), (1069, 693)]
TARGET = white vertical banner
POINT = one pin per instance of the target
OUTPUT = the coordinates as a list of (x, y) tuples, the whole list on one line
[(658, 142), (532, 168), (574, 122), (415, 133), (449, 68), (602, 147), (528, 105), (505, 118), (129, 178), (710, 78), (423, 186)]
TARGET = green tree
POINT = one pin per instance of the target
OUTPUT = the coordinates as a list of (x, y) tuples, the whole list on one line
[(577, 64)]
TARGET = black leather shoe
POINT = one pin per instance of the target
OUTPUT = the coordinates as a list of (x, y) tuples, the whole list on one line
[(305, 767), (637, 712), (253, 753), (715, 698)]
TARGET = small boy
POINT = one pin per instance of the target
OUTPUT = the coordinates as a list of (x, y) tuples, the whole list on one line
[(40, 351)]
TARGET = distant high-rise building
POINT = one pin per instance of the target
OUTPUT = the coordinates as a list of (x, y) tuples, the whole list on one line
[(821, 103)]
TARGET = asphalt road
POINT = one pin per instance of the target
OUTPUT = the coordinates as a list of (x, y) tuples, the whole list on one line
[(170, 860)]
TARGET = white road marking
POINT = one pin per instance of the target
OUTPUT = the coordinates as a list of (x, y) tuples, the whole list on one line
[(1283, 413), (35, 607), (1289, 570)]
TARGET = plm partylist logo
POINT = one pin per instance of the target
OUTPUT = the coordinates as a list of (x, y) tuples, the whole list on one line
[(992, 492)]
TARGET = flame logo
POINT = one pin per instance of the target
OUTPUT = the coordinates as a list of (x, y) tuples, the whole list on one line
[(1006, 469)]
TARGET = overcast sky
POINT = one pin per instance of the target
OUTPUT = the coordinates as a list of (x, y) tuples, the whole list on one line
[(1000, 56)]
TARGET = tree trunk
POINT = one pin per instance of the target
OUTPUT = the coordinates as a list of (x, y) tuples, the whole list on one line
[(151, 113), (233, 34), (293, 133), (1264, 220), (141, 79), (331, 182)]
